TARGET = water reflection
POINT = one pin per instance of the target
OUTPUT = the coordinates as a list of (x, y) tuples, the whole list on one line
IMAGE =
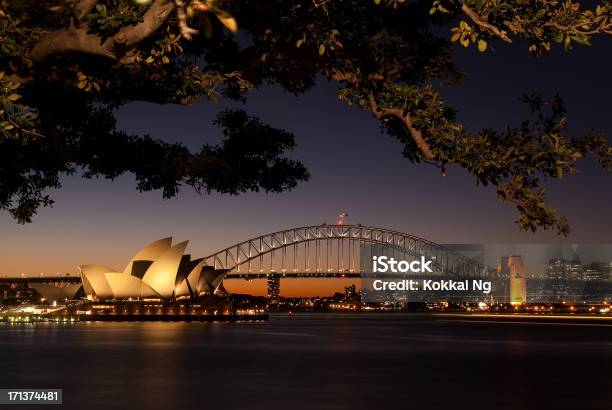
[(313, 362)]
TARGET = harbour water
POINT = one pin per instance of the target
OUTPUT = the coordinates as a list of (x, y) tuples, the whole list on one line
[(318, 361)]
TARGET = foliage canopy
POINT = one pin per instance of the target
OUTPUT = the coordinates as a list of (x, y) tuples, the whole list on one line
[(67, 65)]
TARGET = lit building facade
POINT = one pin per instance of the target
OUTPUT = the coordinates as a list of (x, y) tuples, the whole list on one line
[(160, 270), (518, 279), (274, 290), (514, 267), (350, 292), (55, 293)]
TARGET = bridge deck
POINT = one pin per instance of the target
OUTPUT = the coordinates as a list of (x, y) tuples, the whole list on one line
[(38, 279)]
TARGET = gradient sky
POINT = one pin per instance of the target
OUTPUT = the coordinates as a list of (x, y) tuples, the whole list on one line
[(354, 169)]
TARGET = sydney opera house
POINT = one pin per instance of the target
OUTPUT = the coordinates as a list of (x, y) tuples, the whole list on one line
[(159, 271)]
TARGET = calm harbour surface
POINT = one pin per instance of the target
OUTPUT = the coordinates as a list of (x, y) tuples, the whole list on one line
[(314, 361)]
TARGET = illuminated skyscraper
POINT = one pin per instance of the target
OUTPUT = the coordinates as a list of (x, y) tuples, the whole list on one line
[(503, 265), (273, 290), (349, 292), (518, 279)]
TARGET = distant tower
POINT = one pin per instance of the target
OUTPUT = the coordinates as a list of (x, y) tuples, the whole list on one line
[(349, 292), (341, 218), (273, 290), (518, 279), (503, 266)]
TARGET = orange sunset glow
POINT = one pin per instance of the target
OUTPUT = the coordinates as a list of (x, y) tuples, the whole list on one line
[(291, 287)]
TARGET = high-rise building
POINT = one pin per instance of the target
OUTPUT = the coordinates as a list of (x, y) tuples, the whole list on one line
[(564, 270), (503, 265), (556, 270), (349, 292), (518, 279), (564, 275), (596, 271), (575, 269), (274, 289)]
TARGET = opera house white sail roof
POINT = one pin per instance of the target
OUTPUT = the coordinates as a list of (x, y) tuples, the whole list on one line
[(160, 270), (55, 293)]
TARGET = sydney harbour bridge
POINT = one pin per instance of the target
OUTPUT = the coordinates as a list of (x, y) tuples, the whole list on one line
[(318, 251), (332, 251)]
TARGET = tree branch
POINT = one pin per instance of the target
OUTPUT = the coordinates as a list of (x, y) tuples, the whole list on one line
[(79, 39), (338, 75), (416, 134), (69, 40), (181, 15), (154, 17), (602, 29), (85, 7), (482, 22)]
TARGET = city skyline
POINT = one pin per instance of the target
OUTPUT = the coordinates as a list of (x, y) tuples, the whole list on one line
[(585, 262)]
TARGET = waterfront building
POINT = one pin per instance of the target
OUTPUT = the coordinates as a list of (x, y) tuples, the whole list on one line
[(564, 270), (160, 270), (514, 268), (52, 293), (518, 279), (502, 268), (349, 292), (595, 272), (273, 290)]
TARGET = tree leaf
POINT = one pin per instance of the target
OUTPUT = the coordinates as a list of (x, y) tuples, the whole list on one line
[(482, 45), (229, 22)]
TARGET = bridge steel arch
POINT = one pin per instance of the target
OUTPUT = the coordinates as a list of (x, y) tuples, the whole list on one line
[(232, 258)]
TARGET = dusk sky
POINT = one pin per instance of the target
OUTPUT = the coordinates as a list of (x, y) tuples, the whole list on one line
[(354, 169)]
